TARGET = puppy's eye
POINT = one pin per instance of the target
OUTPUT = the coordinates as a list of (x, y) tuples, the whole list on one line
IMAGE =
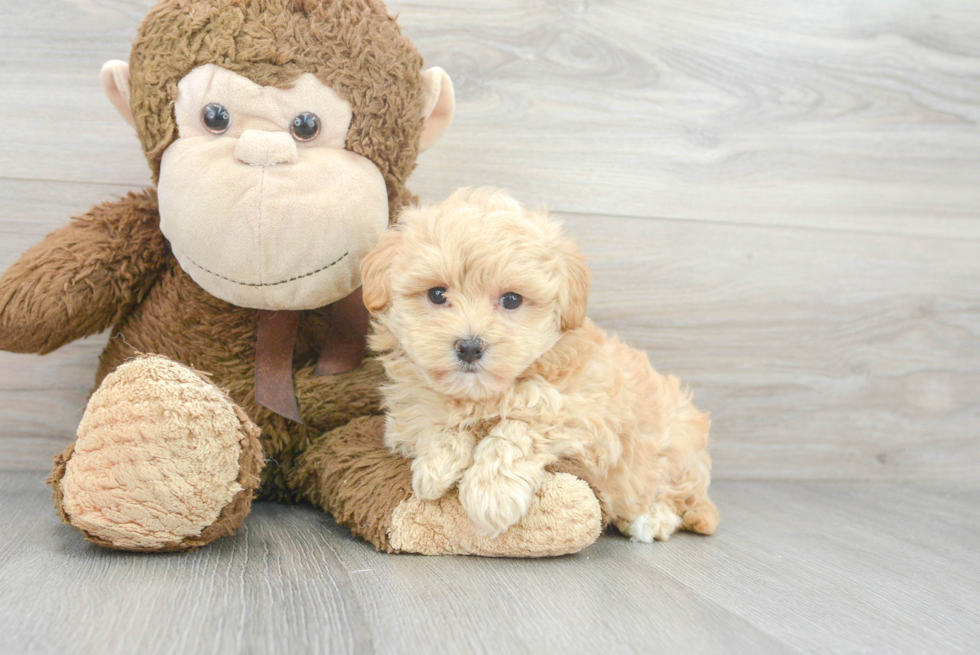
[(216, 118), (511, 300), (305, 127), (438, 295)]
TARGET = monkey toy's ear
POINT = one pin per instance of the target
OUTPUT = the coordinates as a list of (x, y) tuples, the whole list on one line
[(438, 105), (115, 82)]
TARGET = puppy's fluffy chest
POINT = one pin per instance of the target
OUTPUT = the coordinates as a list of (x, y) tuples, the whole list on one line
[(531, 401), (572, 387)]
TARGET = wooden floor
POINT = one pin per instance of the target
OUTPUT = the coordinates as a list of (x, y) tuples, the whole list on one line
[(796, 568), (780, 201)]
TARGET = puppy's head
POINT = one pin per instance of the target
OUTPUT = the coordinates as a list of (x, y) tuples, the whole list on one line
[(474, 290)]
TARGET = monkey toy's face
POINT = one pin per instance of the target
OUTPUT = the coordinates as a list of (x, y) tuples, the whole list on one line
[(260, 201)]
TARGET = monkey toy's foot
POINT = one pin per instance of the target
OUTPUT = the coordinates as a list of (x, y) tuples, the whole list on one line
[(564, 518), (164, 461), (350, 473)]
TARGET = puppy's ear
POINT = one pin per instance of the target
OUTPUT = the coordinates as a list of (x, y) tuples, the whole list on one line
[(375, 269), (573, 298)]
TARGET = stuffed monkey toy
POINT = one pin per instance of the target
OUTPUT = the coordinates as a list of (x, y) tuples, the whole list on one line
[(280, 134)]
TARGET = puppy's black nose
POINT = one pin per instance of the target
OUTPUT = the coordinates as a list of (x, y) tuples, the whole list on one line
[(469, 350)]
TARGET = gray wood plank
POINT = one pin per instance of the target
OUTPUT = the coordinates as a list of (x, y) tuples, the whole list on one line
[(52, 53), (265, 592), (865, 566), (795, 567), (830, 114), (821, 354), (827, 114)]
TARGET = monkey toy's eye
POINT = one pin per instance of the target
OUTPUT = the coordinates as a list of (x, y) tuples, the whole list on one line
[(438, 295), (216, 118), (511, 300), (305, 127)]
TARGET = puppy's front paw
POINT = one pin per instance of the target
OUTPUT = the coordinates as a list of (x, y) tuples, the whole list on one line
[(432, 477), (496, 495)]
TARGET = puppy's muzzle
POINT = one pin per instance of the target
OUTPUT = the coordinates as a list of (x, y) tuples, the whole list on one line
[(469, 350)]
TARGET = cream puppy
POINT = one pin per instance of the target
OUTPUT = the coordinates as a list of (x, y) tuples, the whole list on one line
[(495, 372)]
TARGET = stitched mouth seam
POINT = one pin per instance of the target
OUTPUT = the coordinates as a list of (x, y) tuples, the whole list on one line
[(267, 284)]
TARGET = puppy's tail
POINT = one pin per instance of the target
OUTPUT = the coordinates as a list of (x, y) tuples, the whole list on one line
[(702, 517)]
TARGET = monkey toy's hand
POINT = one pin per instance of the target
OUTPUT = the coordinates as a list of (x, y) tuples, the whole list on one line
[(82, 277)]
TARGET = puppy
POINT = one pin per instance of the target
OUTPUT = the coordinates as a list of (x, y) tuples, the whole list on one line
[(479, 314)]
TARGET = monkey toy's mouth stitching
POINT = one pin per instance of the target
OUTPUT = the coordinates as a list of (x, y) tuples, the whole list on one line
[(267, 284)]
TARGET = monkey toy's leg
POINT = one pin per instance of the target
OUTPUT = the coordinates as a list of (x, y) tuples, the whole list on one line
[(350, 473), (136, 478), (164, 461)]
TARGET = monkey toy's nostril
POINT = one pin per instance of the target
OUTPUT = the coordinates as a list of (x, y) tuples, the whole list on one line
[(469, 350)]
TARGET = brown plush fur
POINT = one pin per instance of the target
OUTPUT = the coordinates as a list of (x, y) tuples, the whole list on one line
[(112, 267), (83, 278), (354, 47), (346, 468)]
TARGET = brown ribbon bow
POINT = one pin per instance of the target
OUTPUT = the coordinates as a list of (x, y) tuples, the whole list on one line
[(343, 350)]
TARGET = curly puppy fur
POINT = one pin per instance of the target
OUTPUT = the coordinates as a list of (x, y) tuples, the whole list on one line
[(548, 383)]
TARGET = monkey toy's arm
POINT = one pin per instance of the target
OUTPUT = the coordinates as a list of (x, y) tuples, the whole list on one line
[(83, 277)]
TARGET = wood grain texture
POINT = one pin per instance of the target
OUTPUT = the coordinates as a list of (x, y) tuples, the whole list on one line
[(779, 201), (795, 568), (854, 115), (820, 354), (816, 281)]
